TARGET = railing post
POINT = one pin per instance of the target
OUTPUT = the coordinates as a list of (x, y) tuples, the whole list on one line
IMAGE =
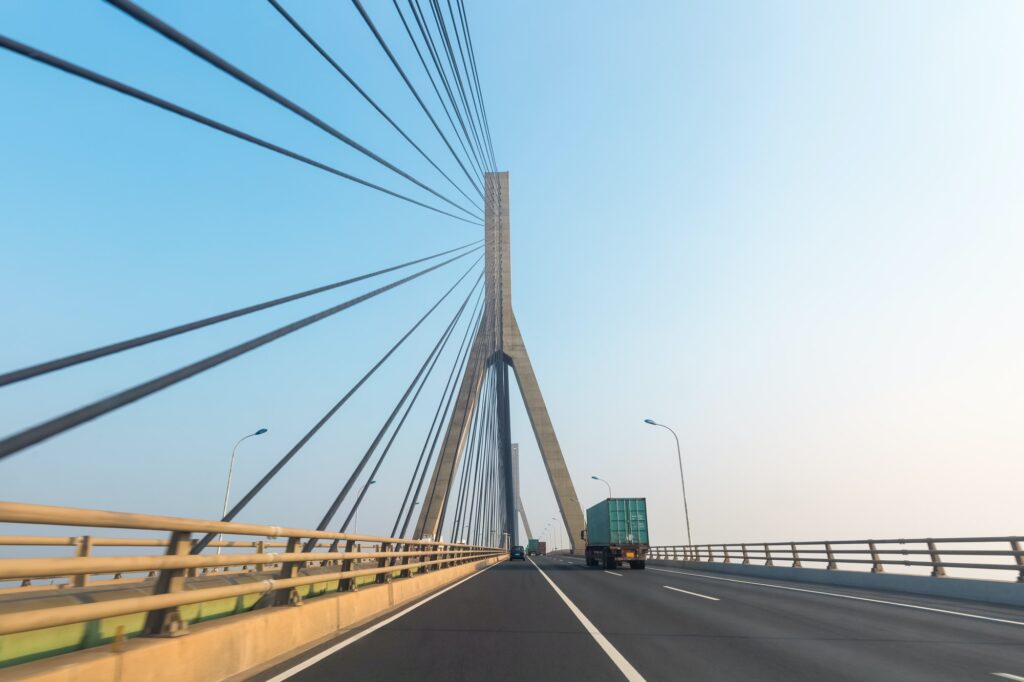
[(938, 570), (725, 551), (796, 555), (168, 622), (347, 584), (767, 556), (746, 558), (382, 563), (404, 561), (876, 562), (1015, 544), (831, 557), (289, 596), (84, 549)]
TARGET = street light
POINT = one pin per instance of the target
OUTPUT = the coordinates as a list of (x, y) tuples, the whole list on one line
[(231, 466), (355, 516), (598, 478), (682, 481), (558, 534)]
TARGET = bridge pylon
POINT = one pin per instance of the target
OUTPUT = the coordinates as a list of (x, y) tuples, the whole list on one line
[(499, 344)]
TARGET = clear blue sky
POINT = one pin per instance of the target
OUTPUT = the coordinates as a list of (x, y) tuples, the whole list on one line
[(792, 230)]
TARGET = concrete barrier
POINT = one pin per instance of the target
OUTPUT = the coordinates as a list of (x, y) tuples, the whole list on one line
[(989, 591), (220, 649)]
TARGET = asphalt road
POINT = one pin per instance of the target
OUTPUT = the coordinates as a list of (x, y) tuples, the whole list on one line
[(510, 622)]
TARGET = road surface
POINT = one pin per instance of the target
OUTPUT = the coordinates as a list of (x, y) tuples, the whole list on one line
[(555, 619)]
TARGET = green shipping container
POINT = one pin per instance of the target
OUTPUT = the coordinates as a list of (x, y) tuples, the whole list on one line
[(618, 521), (531, 546)]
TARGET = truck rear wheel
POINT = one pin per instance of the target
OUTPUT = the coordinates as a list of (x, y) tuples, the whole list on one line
[(637, 565), (610, 563)]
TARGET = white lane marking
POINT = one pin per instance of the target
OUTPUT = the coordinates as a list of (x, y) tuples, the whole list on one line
[(846, 596), (610, 573), (1008, 676), (702, 596), (359, 635), (618, 659)]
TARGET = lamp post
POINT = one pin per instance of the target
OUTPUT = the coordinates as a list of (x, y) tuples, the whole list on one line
[(682, 480), (231, 467), (598, 478), (558, 533), (355, 516)]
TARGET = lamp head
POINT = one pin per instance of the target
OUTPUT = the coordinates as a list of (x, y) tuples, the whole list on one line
[(260, 432), (651, 422)]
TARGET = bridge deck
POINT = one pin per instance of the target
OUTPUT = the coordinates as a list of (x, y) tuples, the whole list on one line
[(509, 623)]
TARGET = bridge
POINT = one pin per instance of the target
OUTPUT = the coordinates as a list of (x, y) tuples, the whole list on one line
[(124, 594)]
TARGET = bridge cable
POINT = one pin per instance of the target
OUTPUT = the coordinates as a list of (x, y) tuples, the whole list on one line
[(479, 460), (69, 420), (429, 42), (172, 34), (460, 358), (394, 61), (468, 452), (470, 155), (241, 504), (330, 60), (456, 75), (99, 79), (470, 458), (476, 77), (343, 493), (408, 409), (17, 375), (473, 95), (434, 450)]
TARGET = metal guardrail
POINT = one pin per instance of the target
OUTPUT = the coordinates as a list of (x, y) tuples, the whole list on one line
[(170, 570), (85, 544), (878, 554)]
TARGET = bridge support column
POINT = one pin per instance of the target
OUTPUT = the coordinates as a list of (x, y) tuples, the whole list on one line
[(499, 342)]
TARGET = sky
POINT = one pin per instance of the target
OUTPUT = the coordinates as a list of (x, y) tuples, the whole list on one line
[(792, 231)]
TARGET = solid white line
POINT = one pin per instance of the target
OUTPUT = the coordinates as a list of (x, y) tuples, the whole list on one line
[(618, 659), (610, 573), (1008, 676), (702, 596), (846, 596), (359, 635)]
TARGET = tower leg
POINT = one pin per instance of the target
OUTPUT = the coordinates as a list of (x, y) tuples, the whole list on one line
[(551, 452)]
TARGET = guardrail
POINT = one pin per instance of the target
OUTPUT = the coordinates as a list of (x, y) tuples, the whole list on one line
[(85, 544), (933, 553), (393, 557)]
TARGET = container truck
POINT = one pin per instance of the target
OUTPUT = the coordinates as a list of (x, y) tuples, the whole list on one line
[(542, 548), (617, 533), (531, 547)]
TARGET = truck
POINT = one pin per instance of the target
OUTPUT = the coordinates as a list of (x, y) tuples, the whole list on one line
[(542, 548), (617, 533), (531, 547)]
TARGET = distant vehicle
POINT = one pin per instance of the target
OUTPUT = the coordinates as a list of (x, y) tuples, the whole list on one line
[(617, 533), (531, 547), (542, 548), (517, 552)]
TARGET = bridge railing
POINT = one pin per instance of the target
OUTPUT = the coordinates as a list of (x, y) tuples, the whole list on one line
[(177, 575), (84, 546), (974, 555)]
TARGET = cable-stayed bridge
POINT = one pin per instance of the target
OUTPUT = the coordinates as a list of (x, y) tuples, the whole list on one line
[(117, 594)]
